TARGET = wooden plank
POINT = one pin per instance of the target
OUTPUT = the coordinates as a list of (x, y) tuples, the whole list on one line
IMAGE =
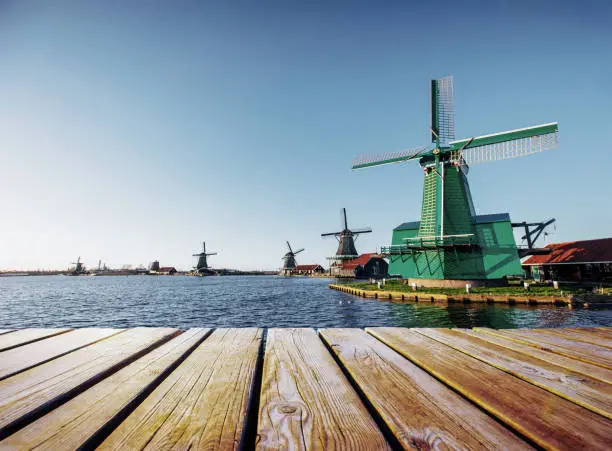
[(586, 352), (594, 371), (588, 336), (306, 402), (72, 424), (419, 410), (5, 331), (31, 392), (27, 356), (547, 419), (25, 336), (607, 331), (583, 390), (202, 404)]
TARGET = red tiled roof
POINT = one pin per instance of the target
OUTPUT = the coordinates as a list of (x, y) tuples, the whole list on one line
[(589, 251), (306, 267), (361, 260)]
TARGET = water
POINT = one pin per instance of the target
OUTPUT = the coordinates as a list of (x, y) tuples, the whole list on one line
[(264, 301)]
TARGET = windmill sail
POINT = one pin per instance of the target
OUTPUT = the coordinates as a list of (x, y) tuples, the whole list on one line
[(504, 145), (442, 110), (369, 160)]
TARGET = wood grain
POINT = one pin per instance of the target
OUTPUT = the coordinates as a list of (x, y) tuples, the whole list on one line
[(607, 331), (594, 371), (25, 336), (202, 404), (31, 390), (547, 419), (586, 352), (23, 357), (306, 402), (583, 390), (73, 423), (589, 336), (420, 411)]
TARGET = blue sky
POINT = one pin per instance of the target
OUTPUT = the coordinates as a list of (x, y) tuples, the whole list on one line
[(134, 132)]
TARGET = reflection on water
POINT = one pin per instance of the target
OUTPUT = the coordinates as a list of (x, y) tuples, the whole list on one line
[(247, 301)]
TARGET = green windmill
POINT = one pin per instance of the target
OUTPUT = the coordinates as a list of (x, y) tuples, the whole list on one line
[(451, 241)]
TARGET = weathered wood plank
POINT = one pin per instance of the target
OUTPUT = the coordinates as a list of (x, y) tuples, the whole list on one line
[(72, 424), (306, 402), (607, 331), (589, 336), (418, 409), (594, 371), (547, 419), (29, 393), (597, 355), (202, 404), (27, 356), (25, 336), (583, 390)]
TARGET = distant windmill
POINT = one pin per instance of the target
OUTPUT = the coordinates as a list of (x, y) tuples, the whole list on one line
[(346, 240), (202, 265), (79, 268), (289, 258)]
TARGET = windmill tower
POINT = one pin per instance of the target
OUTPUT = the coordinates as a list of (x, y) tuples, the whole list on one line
[(346, 242), (450, 242), (289, 262), (202, 265)]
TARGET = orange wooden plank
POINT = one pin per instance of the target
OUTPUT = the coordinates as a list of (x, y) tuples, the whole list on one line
[(586, 352), (547, 419), (578, 388), (306, 401), (418, 409), (594, 371)]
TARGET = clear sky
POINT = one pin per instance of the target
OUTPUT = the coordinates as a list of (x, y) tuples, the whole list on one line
[(132, 131)]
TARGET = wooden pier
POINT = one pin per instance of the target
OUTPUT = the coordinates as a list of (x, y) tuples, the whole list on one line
[(405, 297), (378, 388)]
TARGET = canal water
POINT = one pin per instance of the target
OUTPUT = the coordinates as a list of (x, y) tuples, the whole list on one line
[(264, 301)]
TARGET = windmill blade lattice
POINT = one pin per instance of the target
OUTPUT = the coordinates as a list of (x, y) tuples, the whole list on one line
[(442, 110), (369, 160), (505, 145)]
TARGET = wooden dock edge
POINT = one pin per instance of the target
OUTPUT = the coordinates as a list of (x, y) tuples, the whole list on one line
[(403, 297)]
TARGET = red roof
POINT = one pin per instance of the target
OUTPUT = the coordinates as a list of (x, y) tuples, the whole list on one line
[(306, 267), (167, 268), (589, 251), (361, 260)]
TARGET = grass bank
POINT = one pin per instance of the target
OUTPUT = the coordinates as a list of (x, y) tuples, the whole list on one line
[(514, 289)]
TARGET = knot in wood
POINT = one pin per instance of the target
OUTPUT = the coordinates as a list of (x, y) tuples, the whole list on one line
[(288, 409)]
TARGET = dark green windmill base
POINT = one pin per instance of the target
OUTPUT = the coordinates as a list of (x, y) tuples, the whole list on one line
[(491, 254)]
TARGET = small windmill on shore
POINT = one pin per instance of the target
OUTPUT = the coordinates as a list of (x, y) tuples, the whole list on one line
[(202, 265), (289, 262), (79, 268), (346, 241)]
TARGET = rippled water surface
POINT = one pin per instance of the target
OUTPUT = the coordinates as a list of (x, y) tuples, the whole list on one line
[(265, 301)]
